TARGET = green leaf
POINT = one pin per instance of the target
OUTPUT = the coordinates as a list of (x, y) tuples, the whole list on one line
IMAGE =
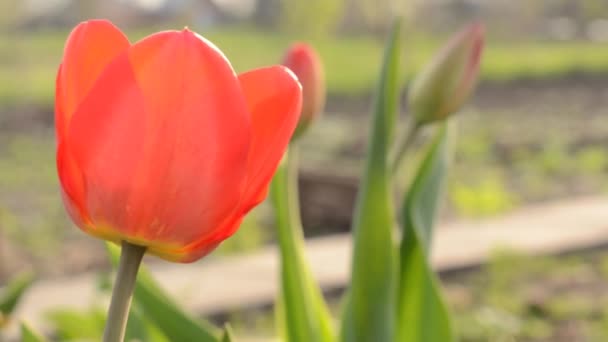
[(140, 329), (159, 309), (280, 317), (12, 293), (227, 335), (78, 325), (29, 335), (369, 309), (422, 201), (303, 314), (421, 313), (89, 325)]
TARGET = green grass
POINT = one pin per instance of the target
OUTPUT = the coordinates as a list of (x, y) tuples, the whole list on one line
[(31, 213), (28, 62), (529, 298)]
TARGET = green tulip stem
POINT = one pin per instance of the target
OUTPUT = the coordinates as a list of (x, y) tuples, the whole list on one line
[(130, 259), (306, 317), (286, 200), (404, 145)]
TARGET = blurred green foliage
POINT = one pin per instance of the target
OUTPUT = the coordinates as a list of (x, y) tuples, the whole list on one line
[(486, 196), (29, 335), (29, 60), (88, 325), (374, 13), (227, 335), (31, 212), (11, 294), (311, 18), (592, 160), (71, 325), (529, 298)]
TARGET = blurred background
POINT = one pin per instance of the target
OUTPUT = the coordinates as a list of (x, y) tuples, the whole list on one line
[(536, 131)]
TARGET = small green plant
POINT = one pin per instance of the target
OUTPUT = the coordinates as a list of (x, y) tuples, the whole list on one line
[(11, 294)]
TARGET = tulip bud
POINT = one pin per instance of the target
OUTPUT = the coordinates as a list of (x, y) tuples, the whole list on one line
[(306, 64), (446, 82)]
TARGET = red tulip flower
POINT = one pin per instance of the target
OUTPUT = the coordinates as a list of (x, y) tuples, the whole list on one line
[(160, 143), (304, 61)]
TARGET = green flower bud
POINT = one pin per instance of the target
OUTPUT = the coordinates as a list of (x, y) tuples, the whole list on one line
[(443, 85)]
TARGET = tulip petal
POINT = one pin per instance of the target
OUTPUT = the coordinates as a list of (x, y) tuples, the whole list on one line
[(162, 140), (72, 186), (205, 245), (106, 141), (91, 46), (275, 100), (274, 97)]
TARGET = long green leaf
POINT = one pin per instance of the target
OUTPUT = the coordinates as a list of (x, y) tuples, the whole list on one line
[(304, 313), (12, 293), (369, 310), (141, 329), (421, 313), (29, 335), (227, 335), (157, 307), (70, 325)]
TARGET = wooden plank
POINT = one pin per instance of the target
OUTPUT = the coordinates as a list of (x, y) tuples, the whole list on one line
[(217, 285)]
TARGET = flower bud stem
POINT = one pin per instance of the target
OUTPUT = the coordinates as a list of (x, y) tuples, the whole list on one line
[(306, 317), (403, 146), (130, 259)]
